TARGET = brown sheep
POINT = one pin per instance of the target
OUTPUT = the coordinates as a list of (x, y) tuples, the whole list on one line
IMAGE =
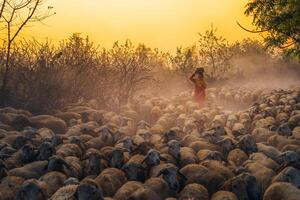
[(127, 189), (111, 180), (193, 191), (282, 191), (57, 125)]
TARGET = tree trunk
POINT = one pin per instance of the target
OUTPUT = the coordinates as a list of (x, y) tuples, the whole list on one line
[(3, 89)]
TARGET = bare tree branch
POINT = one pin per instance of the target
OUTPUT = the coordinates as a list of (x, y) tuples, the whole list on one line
[(252, 31), (2, 8), (26, 20)]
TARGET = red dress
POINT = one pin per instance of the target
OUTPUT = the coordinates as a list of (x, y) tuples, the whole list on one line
[(199, 92)]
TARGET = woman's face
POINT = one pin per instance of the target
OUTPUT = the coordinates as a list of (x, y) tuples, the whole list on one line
[(198, 75)]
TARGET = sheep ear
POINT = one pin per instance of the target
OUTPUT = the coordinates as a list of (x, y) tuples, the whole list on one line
[(66, 164), (20, 194), (162, 158), (141, 167), (85, 157), (182, 176), (161, 172), (37, 152), (223, 159), (134, 143), (204, 159), (76, 194), (280, 168), (124, 167), (4, 156), (124, 149), (144, 160), (102, 157)]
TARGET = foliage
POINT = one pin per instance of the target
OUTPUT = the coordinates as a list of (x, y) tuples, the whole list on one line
[(132, 69), (54, 76), (185, 60), (15, 16), (280, 20), (215, 54)]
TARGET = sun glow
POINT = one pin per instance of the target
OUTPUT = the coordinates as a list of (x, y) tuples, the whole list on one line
[(164, 24)]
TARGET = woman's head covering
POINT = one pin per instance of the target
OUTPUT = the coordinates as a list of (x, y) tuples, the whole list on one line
[(200, 70)]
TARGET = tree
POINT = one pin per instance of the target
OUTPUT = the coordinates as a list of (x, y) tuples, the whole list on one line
[(133, 69), (279, 21), (15, 15), (185, 60), (214, 54)]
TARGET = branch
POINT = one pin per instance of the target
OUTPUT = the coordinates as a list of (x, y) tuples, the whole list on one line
[(27, 19), (23, 6), (287, 45), (2, 8), (251, 31)]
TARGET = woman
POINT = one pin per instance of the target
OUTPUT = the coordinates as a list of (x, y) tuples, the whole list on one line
[(200, 85)]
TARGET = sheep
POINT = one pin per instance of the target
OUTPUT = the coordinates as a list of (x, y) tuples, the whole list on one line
[(296, 133), (57, 125), (263, 174), (106, 135), (237, 156), (67, 116), (219, 168), (204, 155), (268, 150), (94, 162), (127, 189), (279, 141), (116, 157), (288, 158), (152, 158), (261, 134), (85, 190), (289, 175), (32, 190), (45, 151), (32, 170), (24, 156), (20, 122), (284, 129), (88, 189), (144, 193), (73, 167), (110, 180), (202, 144), (54, 180), (134, 169), (9, 186), (173, 177), (65, 193), (281, 191), (244, 186), (187, 156), (69, 150), (194, 191), (159, 186), (71, 181), (192, 171), (95, 143), (222, 195), (247, 144), (264, 160), (45, 133), (294, 120)]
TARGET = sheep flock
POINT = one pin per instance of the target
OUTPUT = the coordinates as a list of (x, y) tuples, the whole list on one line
[(244, 144)]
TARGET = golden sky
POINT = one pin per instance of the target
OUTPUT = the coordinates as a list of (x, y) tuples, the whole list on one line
[(164, 24)]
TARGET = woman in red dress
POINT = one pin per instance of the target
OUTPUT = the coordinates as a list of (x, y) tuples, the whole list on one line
[(200, 85)]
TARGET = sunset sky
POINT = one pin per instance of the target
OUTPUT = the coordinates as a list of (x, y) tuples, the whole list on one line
[(164, 24)]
